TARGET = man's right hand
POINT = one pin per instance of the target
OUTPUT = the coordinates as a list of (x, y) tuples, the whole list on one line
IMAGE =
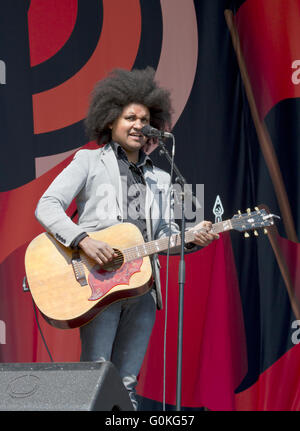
[(100, 251)]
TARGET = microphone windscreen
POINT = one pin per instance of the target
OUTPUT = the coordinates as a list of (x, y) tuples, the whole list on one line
[(148, 131)]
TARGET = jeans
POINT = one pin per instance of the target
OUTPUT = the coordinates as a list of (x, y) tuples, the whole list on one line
[(120, 334)]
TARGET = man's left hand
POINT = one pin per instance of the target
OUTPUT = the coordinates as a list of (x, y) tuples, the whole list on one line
[(205, 235)]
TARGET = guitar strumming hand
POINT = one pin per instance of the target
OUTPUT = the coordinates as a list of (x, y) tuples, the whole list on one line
[(100, 251)]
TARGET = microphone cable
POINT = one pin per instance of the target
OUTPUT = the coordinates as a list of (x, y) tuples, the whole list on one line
[(40, 330), (26, 288)]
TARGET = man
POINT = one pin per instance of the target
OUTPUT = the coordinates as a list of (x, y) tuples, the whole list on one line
[(121, 105)]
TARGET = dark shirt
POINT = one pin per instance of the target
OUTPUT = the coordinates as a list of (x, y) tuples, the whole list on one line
[(133, 191), (133, 188)]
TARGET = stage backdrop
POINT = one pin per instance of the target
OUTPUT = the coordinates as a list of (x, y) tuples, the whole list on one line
[(235, 82)]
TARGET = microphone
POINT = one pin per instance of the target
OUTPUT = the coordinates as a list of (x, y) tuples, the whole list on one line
[(151, 132)]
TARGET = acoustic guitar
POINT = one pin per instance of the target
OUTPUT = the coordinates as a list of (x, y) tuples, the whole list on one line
[(70, 289)]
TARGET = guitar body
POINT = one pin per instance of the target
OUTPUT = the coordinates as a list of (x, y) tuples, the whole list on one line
[(62, 299)]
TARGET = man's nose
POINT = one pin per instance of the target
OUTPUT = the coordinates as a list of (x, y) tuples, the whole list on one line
[(138, 124)]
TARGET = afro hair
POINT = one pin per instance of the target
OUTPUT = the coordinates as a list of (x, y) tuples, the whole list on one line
[(120, 88)]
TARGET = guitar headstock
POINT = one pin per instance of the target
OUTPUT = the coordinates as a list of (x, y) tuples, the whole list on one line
[(252, 220)]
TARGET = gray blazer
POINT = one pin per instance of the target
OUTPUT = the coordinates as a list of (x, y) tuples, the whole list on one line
[(93, 178)]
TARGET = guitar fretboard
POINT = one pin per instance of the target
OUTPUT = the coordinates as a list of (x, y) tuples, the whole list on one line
[(162, 244)]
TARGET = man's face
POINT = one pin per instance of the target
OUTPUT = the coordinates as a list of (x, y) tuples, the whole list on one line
[(126, 130)]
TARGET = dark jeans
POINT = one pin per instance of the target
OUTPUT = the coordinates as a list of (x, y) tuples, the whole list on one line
[(120, 334)]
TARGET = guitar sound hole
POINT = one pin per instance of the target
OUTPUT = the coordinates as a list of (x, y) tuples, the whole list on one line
[(116, 263)]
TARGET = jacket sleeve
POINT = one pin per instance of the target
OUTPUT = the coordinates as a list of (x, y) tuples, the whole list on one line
[(50, 211)]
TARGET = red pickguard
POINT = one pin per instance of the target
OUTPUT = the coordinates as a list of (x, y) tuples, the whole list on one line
[(102, 281)]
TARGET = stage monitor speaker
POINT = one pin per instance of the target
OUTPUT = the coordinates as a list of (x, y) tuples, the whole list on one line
[(65, 386)]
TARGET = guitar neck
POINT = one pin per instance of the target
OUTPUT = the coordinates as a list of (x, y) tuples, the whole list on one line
[(162, 244)]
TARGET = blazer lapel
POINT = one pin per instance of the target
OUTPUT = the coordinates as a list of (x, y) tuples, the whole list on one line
[(110, 162)]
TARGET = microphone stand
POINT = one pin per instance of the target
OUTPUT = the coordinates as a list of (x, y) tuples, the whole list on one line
[(181, 274)]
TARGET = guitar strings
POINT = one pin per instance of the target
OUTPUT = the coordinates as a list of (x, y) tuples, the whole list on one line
[(130, 253)]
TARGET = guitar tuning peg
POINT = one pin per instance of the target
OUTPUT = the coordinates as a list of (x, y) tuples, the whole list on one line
[(248, 210), (246, 235), (239, 212), (255, 233), (265, 231), (256, 208)]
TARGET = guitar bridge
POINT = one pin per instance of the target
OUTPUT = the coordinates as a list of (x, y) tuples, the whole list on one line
[(78, 268)]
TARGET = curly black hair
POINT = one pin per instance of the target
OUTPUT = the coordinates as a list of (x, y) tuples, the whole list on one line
[(120, 88)]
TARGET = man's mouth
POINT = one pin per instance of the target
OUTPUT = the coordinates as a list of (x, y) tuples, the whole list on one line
[(136, 135)]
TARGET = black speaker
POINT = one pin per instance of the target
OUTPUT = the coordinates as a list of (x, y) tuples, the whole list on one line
[(65, 386)]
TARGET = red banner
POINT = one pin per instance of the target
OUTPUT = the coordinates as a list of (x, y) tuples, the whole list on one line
[(269, 33)]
